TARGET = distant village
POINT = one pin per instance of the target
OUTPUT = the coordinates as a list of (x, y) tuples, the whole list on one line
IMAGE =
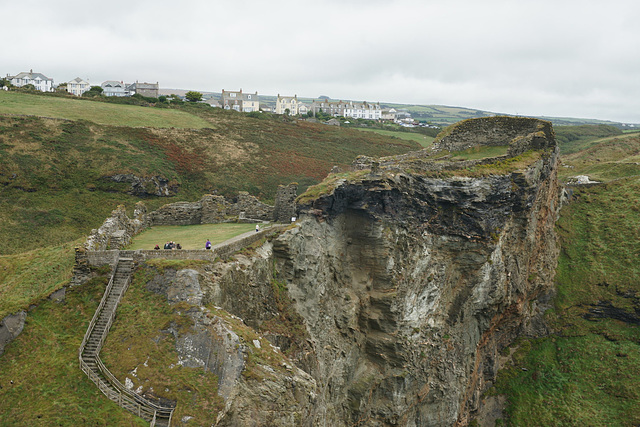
[(230, 100)]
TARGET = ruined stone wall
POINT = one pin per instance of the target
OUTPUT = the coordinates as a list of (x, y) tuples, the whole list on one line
[(285, 203), (213, 209), (247, 206), (520, 133), (179, 213), (118, 229)]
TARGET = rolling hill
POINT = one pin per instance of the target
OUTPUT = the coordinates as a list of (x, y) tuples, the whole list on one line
[(63, 175)]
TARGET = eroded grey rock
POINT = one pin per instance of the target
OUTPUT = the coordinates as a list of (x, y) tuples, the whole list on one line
[(10, 327)]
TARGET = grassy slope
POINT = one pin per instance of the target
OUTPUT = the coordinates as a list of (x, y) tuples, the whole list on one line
[(27, 277), (586, 373), (51, 171), (48, 386), (17, 103), (139, 340), (606, 159), (576, 138)]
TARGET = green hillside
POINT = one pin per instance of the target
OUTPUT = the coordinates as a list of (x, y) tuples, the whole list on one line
[(72, 108), (586, 372), (54, 173), (53, 190)]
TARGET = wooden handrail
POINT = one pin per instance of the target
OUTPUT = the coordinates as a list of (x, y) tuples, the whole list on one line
[(96, 315), (112, 388)]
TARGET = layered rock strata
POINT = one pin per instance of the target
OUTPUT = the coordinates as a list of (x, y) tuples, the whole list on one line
[(404, 280), (411, 284)]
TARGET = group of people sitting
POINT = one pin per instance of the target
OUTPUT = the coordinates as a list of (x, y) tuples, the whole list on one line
[(169, 245)]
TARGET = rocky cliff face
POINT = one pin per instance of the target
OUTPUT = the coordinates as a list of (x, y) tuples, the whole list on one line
[(409, 285), (406, 281)]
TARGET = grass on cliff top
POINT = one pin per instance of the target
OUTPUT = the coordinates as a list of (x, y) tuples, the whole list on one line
[(49, 389), (605, 159), (17, 103), (329, 184), (189, 236), (586, 373), (480, 152), (31, 276), (424, 140)]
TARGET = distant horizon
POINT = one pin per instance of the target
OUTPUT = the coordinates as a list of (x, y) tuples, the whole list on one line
[(413, 104)]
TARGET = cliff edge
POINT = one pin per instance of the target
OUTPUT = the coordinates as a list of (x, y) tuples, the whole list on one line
[(412, 272)]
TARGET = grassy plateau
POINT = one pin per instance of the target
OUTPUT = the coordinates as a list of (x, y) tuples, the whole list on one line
[(16, 103), (189, 236)]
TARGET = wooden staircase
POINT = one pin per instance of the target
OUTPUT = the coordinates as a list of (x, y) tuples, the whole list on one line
[(89, 352)]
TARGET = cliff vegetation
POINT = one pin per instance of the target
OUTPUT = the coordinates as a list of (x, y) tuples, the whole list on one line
[(410, 283)]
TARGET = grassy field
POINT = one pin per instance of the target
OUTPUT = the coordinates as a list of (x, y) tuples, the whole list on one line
[(31, 276), (605, 159), (98, 112), (424, 140), (189, 236)]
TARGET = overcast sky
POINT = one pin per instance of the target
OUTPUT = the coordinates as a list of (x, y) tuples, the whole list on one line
[(572, 58)]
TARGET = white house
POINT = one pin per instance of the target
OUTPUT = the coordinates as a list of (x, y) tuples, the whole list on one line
[(114, 88), (77, 86), (362, 110), (243, 102), (292, 104), (356, 110), (40, 81)]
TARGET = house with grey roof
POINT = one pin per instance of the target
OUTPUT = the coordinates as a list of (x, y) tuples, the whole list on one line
[(239, 101), (114, 88), (356, 110), (292, 104), (78, 86), (40, 81), (151, 90)]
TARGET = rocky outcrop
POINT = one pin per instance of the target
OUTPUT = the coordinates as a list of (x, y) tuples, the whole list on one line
[(259, 385), (392, 297), (10, 327), (146, 186), (410, 285)]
